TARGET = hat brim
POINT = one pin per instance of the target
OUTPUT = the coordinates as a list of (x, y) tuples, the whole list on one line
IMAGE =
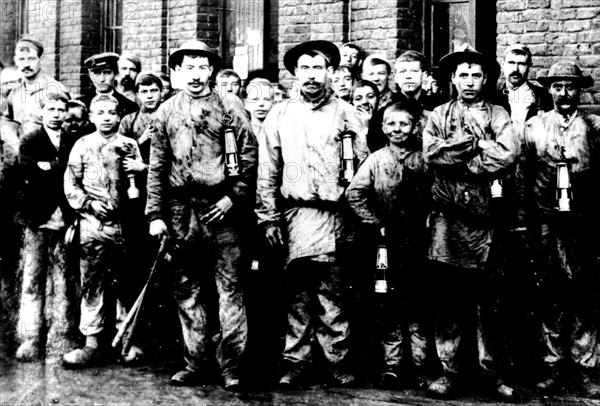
[(582, 81), (177, 56), (449, 62), (290, 58)]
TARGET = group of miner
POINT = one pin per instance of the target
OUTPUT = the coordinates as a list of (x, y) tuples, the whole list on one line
[(440, 209)]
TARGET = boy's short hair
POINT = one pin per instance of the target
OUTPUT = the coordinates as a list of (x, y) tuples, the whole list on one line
[(54, 96), (412, 56), (228, 73), (104, 98), (411, 106), (147, 79), (363, 83), (374, 60), (78, 104), (361, 53)]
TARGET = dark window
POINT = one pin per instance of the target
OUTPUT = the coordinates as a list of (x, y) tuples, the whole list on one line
[(22, 18), (244, 35), (112, 25)]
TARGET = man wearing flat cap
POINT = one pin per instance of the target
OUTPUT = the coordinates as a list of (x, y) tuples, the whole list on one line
[(521, 98), (201, 191), (130, 67), (468, 144), (24, 97), (299, 156), (561, 169), (102, 69)]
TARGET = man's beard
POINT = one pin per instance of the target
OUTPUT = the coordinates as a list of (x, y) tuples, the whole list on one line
[(127, 83)]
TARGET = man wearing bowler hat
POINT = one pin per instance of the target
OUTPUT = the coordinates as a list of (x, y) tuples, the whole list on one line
[(561, 169), (202, 194), (468, 143), (102, 69), (25, 94), (299, 155)]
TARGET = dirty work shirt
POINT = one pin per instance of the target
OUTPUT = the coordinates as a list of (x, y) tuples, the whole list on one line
[(95, 173), (137, 126), (187, 175), (299, 157), (188, 157), (463, 172), (568, 241)]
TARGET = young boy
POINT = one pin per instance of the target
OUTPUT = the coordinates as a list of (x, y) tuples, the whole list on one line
[(378, 70), (390, 196), (77, 121), (95, 186), (148, 90), (228, 82), (342, 82), (410, 71), (45, 214)]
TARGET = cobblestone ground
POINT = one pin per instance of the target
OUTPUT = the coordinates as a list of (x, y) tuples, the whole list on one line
[(33, 384)]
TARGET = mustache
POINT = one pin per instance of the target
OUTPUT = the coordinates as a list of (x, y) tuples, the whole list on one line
[(313, 82)]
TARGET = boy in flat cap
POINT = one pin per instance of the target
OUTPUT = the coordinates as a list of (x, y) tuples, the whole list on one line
[(130, 67), (102, 69), (202, 198), (468, 143), (25, 95), (299, 155), (560, 169)]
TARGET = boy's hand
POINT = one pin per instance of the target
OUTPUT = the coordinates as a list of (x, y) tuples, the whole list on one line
[(158, 228), (218, 210), (364, 114), (99, 209), (133, 165), (274, 237)]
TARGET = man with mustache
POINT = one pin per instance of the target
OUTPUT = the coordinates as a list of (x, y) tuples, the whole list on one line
[(102, 69), (25, 94), (561, 151), (521, 98), (299, 156), (198, 197), (467, 143), (130, 67)]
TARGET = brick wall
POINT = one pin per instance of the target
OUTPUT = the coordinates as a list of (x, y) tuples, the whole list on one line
[(387, 26), (319, 20), (143, 32), (555, 30), (8, 30), (44, 26)]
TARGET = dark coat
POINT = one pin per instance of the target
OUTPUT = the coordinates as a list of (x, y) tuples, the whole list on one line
[(43, 191), (126, 106)]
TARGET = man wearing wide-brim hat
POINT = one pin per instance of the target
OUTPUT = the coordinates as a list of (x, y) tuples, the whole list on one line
[(299, 155), (23, 96), (468, 144), (561, 161), (102, 70), (195, 195)]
